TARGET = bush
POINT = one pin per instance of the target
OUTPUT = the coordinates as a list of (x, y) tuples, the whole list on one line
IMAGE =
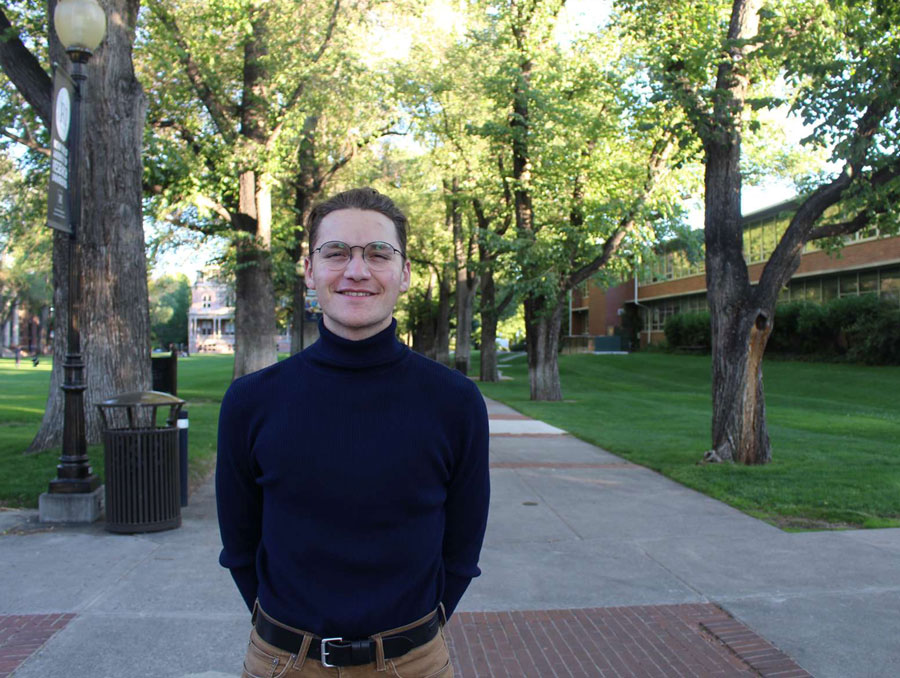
[(689, 330), (859, 329), (867, 329)]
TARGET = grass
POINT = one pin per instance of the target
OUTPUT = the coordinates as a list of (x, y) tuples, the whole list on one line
[(202, 382), (834, 431)]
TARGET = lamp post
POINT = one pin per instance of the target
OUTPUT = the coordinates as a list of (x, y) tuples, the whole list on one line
[(80, 25)]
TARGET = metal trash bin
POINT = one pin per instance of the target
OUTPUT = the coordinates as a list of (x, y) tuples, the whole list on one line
[(143, 488)]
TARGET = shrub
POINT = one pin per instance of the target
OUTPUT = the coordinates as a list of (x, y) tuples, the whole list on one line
[(689, 330), (868, 329), (785, 338), (859, 329)]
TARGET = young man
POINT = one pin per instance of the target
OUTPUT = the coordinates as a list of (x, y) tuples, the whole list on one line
[(352, 478)]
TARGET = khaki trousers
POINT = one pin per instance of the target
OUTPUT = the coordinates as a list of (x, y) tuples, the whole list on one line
[(431, 660)]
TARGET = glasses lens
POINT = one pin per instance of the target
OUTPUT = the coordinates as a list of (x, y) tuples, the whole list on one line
[(335, 253), (379, 254)]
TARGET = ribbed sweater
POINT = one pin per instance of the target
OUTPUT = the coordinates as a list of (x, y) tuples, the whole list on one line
[(352, 485)]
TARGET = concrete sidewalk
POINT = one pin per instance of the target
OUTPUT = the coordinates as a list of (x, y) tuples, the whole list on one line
[(592, 567)]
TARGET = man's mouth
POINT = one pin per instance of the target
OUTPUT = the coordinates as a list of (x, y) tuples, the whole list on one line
[(350, 293)]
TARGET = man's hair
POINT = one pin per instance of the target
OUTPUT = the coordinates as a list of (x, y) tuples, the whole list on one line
[(360, 199)]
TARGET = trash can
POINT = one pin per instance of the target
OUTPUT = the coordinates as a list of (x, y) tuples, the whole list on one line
[(143, 492)]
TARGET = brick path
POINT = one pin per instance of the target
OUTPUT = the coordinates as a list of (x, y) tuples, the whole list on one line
[(665, 641), (23, 634), (645, 641)]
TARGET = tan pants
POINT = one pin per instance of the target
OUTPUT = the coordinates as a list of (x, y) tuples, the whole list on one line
[(431, 660)]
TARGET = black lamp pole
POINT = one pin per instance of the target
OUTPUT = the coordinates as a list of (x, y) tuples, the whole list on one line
[(74, 473)]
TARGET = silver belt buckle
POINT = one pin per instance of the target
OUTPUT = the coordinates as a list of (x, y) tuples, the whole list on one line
[(324, 652)]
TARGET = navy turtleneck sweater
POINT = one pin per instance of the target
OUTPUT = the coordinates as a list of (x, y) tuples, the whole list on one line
[(352, 485)]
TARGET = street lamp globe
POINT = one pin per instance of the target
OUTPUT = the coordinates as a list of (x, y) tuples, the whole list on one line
[(80, 25)]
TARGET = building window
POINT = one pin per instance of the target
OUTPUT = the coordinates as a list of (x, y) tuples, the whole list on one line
[(889, 287)]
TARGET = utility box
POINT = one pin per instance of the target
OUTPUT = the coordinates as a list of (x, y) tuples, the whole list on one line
[(143, 485)]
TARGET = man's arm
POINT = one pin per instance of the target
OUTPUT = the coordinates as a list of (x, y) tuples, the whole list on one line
[(238, 497), (467, 505)]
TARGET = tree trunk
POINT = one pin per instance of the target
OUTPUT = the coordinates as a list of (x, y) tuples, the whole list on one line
[(542, 340), (740, 328), (739, 430), (254, 317), (308, 185), (465, 289), (489, 371), (304, 332), (114, 316), (442, 331), (423, 321)]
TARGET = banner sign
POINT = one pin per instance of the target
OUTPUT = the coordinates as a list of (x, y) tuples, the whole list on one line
[(58, 193)]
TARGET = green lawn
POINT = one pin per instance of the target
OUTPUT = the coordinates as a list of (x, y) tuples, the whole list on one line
[(834, 428), (202, 381), (835, 431)]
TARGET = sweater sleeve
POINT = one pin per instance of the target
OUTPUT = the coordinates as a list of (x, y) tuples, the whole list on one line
[(238, 497), (467, 504)]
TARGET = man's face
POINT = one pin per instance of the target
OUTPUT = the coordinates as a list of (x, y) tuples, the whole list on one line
[(356, 301)]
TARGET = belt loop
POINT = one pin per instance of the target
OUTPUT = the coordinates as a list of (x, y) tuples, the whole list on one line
[(379, 653), (442, 612), (300, 659)]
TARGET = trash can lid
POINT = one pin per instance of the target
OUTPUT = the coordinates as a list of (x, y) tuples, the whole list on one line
[(141, 398)]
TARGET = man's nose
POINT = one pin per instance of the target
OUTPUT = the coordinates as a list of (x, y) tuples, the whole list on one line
[(356, 268)]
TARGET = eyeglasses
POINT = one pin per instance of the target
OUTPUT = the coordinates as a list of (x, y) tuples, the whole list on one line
[(378, 255)]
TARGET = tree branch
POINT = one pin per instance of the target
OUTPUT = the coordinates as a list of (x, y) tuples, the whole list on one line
[(217, 112), (24, 71), (176, 218), (301, 86), (861, 220), (27, 141), (205, 202), (786, 257), (656, 165)]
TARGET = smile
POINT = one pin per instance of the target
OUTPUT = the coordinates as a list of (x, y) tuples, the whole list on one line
[(357, 294)]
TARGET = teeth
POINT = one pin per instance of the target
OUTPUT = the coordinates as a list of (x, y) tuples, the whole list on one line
[(357, 294)]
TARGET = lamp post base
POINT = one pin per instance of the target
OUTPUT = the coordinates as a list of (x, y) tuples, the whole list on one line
[(85, 507), (74, 485)]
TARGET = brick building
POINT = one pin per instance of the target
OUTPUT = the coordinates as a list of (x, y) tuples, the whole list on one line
[(869, 263)]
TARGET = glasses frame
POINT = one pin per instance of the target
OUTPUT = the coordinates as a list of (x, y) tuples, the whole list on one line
[(361, 247)]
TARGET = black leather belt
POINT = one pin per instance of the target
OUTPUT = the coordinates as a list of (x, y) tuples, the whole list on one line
[(341, 652)]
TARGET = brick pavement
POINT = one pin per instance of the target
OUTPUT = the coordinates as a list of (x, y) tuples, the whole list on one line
[(665, 641), (21, 635)]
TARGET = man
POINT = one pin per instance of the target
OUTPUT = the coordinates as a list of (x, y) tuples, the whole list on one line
[(352, 478)]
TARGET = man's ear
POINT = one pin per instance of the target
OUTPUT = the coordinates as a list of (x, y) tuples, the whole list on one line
[(407, 276), (307, 270)]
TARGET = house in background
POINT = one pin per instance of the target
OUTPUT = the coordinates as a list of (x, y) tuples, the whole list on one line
[(211, 316), (869, 263)]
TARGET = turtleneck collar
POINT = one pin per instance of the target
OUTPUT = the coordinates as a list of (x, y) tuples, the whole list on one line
[(379, 349)]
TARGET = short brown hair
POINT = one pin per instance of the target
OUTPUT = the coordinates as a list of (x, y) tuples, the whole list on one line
[(360, 199)]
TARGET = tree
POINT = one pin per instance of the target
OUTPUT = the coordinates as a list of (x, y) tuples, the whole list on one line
[(25, 247), (170, 300), (842, 60), (253, 120), (115, 325), (588, 156)]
